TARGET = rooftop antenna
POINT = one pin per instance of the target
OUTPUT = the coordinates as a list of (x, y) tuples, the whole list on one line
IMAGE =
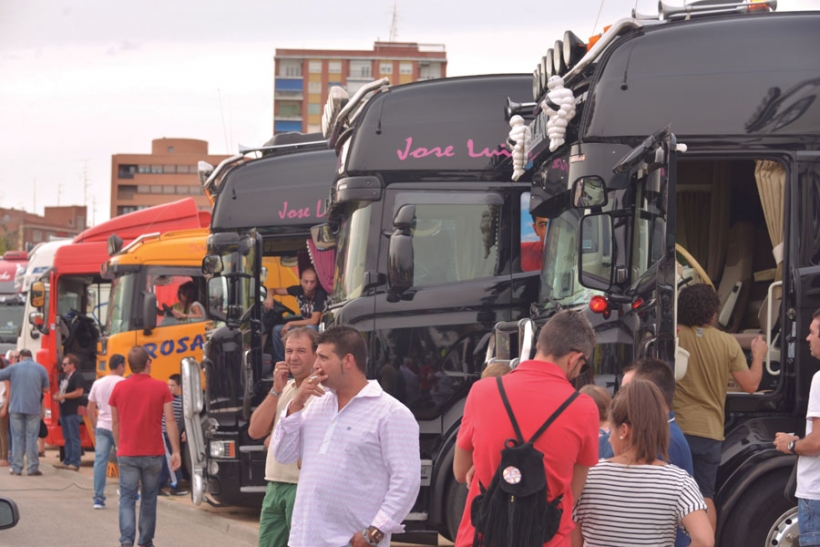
[(222, 113), (34, 196), (394, 23)]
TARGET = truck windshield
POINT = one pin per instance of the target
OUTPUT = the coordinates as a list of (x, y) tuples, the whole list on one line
[(119, 309), (350, 262), (11, 317), (559, 273)]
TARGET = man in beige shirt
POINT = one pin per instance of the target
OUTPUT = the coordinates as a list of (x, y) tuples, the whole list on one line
[(277, 507), (701, 394)]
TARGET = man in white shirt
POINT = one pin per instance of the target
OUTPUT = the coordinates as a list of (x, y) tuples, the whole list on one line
[(359, 449), (808, 451), (99, 412), (280, 496)]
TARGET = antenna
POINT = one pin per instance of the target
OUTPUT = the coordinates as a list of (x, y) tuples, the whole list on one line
[(222, 113), (34, 196), (394, 23), (86, 184)]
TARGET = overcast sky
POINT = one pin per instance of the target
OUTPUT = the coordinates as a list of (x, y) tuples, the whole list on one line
[(85, 79)]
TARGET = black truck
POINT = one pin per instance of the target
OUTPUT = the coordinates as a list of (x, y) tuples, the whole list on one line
[(428, 232), (265, 202), (691, 147)]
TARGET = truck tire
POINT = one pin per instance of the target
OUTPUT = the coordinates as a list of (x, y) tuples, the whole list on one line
[(762, 515), (455, 501)]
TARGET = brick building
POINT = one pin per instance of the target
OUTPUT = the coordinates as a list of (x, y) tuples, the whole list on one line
[(19, 228), (303, 76), (168, 173)]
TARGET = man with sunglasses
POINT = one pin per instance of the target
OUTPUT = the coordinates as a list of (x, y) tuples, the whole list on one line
[(71, 390), (535, 389)]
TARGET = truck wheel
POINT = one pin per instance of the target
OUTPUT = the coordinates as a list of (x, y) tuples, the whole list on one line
[(455, 502), (763, 516)]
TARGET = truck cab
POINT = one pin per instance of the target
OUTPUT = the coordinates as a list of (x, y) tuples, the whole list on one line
[(429, 233), (70, 316), (686, 162), (146, 277), (266, 201)]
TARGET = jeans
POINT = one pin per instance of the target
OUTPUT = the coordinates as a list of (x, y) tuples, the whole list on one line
[(278, 345), (808, 522), (71, 433), (105, 440), (24, 430), (133, 470)]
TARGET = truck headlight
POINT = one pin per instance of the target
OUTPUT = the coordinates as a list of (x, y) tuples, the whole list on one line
[(223, 449)]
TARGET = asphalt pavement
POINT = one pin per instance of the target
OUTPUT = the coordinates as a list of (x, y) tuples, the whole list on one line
[(56, 510)]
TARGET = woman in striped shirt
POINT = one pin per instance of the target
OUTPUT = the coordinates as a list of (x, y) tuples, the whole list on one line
[(635, 498)]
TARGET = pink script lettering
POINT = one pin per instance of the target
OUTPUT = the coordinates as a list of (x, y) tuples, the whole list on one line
[(421, 152), (302, 212)]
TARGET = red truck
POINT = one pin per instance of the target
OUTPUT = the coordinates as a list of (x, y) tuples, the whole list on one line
[(71, 299)]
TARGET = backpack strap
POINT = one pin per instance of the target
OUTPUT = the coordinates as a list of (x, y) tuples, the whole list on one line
[(552, 418), (509, 410)]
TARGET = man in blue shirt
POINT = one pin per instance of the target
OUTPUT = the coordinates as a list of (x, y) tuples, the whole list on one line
[(660, 374), (29, 382)]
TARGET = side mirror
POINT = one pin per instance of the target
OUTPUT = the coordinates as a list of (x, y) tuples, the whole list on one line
[(323, 237), (218, 298), (9, 515), (149, 313), (400, 254), (589, 192), (114, 244), (37, 294), (595, 255), (212, 265), (36, 319)]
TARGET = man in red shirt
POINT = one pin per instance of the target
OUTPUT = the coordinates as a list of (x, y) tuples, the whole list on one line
[(137, 406), (535, 389)]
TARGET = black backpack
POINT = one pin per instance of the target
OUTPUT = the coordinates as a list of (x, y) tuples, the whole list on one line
[(514, 511)]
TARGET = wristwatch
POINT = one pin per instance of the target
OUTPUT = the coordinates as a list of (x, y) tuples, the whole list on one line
[(275, 393), (372, 535), (791, 446)]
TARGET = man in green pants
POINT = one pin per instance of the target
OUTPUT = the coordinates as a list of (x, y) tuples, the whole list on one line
[(277, 508)]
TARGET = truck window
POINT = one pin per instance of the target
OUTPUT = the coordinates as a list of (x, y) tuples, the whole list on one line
[(179, 293), (533, 232), (119, 307), (455, 237), (350, 264)]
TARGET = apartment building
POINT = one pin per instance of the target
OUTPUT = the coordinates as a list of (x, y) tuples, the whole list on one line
[(168, 173), (303, 76)]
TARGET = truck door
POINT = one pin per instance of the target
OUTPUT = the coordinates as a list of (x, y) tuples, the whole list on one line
[(638, 278), (801, 266)]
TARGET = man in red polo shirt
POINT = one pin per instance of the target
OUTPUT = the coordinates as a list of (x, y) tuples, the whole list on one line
[(137, 406), (535, 389)]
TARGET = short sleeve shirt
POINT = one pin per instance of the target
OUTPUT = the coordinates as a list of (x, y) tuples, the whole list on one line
[(100, 393), (69, 385), (139, 400), (535, 389), (700, 395), (307, 305), (28, 380), (808, 467)]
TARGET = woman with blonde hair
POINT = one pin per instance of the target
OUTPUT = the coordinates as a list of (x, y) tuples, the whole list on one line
[(635, 497)]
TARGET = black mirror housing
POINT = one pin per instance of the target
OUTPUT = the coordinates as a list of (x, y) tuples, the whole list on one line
[(212, 265), (149, 313)]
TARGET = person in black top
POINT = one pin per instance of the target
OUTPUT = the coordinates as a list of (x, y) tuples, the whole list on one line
[(71, 390), (312, 300)]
